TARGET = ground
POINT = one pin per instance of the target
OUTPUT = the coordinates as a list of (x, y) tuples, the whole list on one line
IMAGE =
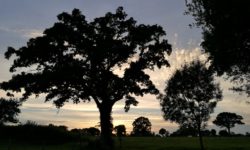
[(145, 143)]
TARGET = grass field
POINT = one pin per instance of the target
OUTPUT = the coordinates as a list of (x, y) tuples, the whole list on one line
[(147, 143)]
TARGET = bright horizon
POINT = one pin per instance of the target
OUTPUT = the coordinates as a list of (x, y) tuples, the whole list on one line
[(28, 19)]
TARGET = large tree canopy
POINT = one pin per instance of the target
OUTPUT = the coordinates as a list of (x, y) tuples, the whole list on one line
[(226, 36), (9, 111), (75, 60), (228, 120), (191, 95)]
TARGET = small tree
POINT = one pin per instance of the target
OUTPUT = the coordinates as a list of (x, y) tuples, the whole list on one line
[(213, 132), (76, 60), (163, 132), (142, 127), (228, 120), (120, 130), (9, 111), (190, 96)]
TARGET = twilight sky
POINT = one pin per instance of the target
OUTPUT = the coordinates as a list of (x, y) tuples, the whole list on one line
[(21, 20)]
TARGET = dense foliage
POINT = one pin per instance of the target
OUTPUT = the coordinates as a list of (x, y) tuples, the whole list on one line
[(226, 36), (120, 130), (141, 127), (9, 109), (38, 134)]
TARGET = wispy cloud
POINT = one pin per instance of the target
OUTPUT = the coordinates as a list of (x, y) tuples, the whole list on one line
[(26, 33), (32, 33), (177, 59)]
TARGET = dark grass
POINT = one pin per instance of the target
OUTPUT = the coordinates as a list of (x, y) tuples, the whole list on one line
[(143, 143), (184, 143)]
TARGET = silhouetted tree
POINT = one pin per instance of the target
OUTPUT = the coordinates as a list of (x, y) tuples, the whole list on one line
[(120, 130), (33, 123), (190, 96), (82, 61), (213, 132), (93, 131), (226, 37), (78, 131), (142, 127), (33, 133), (228, 120), (185, 130), (163, 132), (9, 109), (247, 134), (205, 132), (223, 133)]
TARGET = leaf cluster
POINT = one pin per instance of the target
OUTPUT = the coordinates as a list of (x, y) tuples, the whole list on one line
[(9, 109)]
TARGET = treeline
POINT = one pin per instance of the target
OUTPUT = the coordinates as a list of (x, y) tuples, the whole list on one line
[(191, 132), (51, 134), (34, 133)]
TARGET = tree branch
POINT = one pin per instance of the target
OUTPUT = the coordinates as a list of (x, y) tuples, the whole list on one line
[(96, 101)]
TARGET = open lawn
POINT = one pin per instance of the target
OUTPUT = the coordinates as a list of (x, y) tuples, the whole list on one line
[(146, 143), (185, 143)]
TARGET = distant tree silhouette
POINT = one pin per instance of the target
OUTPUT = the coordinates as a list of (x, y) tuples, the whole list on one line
[(190, 96), (205, 132), (185, 130), (9, 109), (223, 133), (226, 37), (33, 133), (213, 132), (163, 132), (120, 130), (142, 127), (228, 120), (93, 131), (247, 134), (80, 61), (33, 123)]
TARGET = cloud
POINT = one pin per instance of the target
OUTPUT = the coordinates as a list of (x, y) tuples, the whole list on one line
[(25, 33), (32, 33), (4, 65), (177, 59)]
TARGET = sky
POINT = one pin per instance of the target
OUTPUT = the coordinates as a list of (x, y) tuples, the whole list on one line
[(22, 20)]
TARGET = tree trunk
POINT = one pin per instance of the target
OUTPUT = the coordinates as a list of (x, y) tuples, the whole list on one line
[(228, 130), (200, 139), (106, 126)]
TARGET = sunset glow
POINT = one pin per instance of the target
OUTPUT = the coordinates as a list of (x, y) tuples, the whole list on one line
[(30, 19)]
